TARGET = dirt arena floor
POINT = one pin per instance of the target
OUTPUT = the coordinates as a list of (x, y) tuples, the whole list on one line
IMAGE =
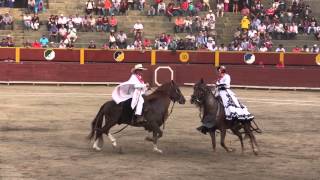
[(43, 133)]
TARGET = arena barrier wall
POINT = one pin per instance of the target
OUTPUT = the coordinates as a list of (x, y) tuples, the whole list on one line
[(86, 65)]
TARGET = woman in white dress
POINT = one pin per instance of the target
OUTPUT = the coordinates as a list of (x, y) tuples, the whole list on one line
[(234, 110)]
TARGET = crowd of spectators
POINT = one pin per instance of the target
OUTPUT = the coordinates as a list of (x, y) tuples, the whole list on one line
[(7, 3), (35, 6)]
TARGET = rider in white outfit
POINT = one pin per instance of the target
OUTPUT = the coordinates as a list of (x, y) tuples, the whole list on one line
[(234, 110), (133, 88)]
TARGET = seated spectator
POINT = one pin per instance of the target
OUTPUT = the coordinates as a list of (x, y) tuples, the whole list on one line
[(91, 23), (147, 44), (70, 44), (112, 39), (296, 49), (179, 25), (222, 48), (27, 44), (263, 48), (188, 25), (151, 11), (315, 49), (123, 7), (62, 45), (62, 21), (305, 49), (72, 34), (99, 8), (35, 22), (184, 6), (280, 48), (312, 26), (44, 41), (245, 23), (105, 24), (27, 21), (114, 46), (89, 6), (77, 21), (116, 6), (220, 8), (138, 28), (36, 44), (130, 46), (211, 44), (211, 15), (113, 23), (137, 44), (8, 21), (10, 42), (63, 32), (245, 11), (99, 24), (192, 11), (107, 7), (92, 45), (122, 40), (141, 5), (53, 33), (161, 8)]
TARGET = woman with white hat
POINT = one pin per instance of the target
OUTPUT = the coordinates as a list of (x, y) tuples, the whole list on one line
[(134, 88)]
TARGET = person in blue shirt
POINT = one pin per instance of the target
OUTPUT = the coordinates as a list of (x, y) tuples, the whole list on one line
[(44, 41)]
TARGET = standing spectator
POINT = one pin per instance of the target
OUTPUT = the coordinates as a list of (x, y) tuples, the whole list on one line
[(44, 41), (226, 5), (92, 23), (141, 5), (211, 15), (35, 22), (113, 23), (89, 6), (122, 40), (220, 8), (206, 4), (31, 6), (235, 7), (112, 39), (107, 7)]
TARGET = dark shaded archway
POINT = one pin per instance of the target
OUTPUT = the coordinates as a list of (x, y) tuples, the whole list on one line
[(21, 4)]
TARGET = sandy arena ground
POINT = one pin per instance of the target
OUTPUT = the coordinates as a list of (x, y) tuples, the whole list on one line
[(43, 131)]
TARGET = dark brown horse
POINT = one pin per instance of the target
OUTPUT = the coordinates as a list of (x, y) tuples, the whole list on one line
[(214, 118), (155, 112)]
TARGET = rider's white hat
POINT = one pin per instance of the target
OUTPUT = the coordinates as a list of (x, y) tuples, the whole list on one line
[(138, 67)]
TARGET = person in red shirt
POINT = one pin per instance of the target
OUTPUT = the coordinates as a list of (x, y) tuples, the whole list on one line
[(36, 44), (107, 6), (113, 23), (185, 7), (296, 49)]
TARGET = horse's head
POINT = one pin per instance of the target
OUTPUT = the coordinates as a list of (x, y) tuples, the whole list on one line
[(200, 91), (175, 93)]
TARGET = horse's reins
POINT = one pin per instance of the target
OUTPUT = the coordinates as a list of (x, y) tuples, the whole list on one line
[(171, 110)]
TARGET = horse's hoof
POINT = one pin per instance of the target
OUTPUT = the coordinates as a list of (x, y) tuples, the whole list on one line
[(114, 144), (148, 138), (97, 148), (157, 150), (230, 150), (255, 151)]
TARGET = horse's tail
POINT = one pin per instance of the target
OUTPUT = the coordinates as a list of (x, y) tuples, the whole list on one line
[(96, 124)]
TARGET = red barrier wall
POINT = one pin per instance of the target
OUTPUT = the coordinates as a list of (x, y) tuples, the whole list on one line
[(299, 70), (190, 73)]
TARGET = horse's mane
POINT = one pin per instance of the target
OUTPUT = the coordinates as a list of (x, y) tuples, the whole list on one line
[(160, 91)]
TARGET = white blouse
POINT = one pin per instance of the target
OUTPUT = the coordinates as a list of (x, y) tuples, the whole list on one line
[(225, 80)]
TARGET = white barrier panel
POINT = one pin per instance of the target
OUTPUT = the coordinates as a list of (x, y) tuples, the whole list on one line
[(156, 74)]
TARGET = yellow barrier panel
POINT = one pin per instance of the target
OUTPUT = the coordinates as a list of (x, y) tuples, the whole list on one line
[(82, 56), (153, 57), (17, 55), (281, 58), (216, 58)]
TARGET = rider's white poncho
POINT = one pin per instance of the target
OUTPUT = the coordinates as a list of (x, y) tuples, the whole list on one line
[(133, 88), (233, 108)]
